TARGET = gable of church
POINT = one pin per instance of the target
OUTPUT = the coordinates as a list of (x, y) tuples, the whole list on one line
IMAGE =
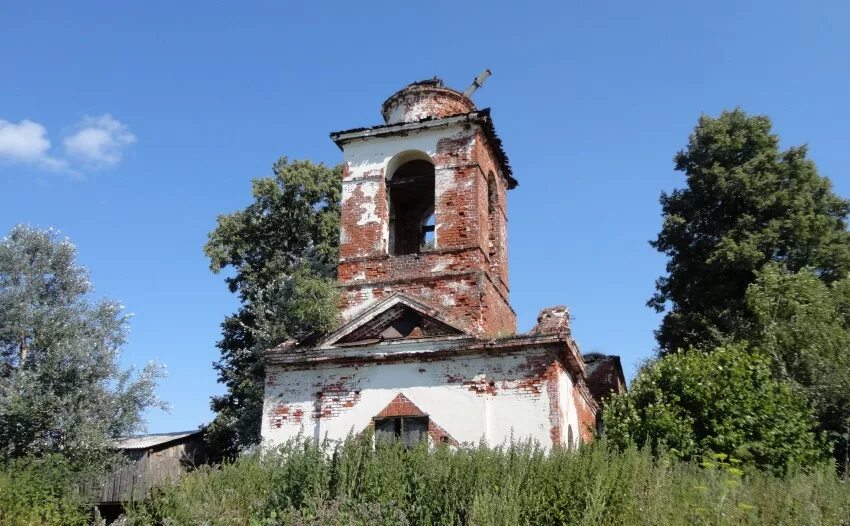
[(399, 317)]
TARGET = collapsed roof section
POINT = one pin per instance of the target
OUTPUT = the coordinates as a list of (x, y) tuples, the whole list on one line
[(604, 375)]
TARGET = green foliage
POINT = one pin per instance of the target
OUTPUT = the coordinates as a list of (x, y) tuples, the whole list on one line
[(282, 250), (803, 324), (693, 404), (40, 491), (746, 203), (61, 387), (357, 484)]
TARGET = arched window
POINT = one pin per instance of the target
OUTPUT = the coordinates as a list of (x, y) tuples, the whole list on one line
[(410, 190), (570, 439)]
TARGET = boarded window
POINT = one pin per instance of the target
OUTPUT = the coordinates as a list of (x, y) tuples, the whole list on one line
[(410, 430), (411, 195)]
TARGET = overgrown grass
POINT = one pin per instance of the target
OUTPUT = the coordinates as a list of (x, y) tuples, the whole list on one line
[(355, 484), (39, 491)]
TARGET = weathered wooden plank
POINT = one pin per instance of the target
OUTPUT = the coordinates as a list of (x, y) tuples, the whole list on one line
[(151, 467)]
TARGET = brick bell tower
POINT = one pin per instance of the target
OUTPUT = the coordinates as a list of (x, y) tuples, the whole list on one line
[(424, 210)]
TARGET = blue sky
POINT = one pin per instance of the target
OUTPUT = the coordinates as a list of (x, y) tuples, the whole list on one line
[(130, 127)]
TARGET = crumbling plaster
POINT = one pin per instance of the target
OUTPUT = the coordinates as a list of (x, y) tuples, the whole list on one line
[(474, 397), (366, 162)]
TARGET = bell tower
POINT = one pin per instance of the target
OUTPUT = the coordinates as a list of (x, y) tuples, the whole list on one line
[(424, 210)]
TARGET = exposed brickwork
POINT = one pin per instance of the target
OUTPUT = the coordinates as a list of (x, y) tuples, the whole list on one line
[(536, 375), (425, 99), (478, 385), (495, 235), (283, 413), (556, 412), (587, 410), (604, 375), (363, 217), (439, 435), (400, 406), (468, 297), (334, 400), (465, 275), (552, 320)]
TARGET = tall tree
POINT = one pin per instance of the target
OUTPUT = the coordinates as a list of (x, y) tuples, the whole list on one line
[(61, 387), (282, 250), (746, 203), (803, 324)]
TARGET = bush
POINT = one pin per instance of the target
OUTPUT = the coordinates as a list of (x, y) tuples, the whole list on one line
[(40, 491), (355, 484), (726, 401)]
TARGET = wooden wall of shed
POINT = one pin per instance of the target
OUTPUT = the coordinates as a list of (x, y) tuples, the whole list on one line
[(150, 467)]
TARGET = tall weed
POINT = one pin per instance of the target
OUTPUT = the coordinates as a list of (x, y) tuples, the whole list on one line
[(355, 483), (36, 491)]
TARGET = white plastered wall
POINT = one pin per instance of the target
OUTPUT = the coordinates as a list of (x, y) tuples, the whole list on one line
[(569, 414), (453, 392)]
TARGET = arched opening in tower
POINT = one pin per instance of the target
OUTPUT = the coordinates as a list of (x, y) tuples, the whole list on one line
[(411, 196)]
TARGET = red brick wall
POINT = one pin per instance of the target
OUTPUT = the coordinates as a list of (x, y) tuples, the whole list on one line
[(465, 276), (468, 298), (496, 233), (361, 238), (586, 409)]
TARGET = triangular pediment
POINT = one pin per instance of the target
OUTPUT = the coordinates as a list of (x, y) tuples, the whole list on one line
[(398, 317), (401, 406)]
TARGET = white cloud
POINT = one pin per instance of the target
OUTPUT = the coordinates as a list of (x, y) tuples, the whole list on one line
[(99, 141), (27, 142)]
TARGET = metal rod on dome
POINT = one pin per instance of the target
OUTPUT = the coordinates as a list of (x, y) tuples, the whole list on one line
[(477, 83)]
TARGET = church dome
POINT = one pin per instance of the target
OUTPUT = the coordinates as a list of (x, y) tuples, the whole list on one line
[(425, 99)]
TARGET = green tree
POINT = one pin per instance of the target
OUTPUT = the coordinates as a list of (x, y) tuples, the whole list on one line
[(803, 324), (282, 250), (61, 387), (746, 203), (693, 404)]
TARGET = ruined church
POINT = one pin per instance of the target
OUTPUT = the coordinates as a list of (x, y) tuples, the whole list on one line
[(427, 346)]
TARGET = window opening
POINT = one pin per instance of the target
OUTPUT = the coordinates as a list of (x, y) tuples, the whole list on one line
[(492, 194), (411, 194), (428, 231), (492, 200), (409, 430)]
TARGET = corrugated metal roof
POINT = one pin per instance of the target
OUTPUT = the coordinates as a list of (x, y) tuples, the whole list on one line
[(153, 440)]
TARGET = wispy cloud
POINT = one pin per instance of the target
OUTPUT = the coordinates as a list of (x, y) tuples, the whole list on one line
[(97, 143), (27, 142)]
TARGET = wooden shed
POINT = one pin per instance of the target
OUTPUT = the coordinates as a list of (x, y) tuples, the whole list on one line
[(153, 459)]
